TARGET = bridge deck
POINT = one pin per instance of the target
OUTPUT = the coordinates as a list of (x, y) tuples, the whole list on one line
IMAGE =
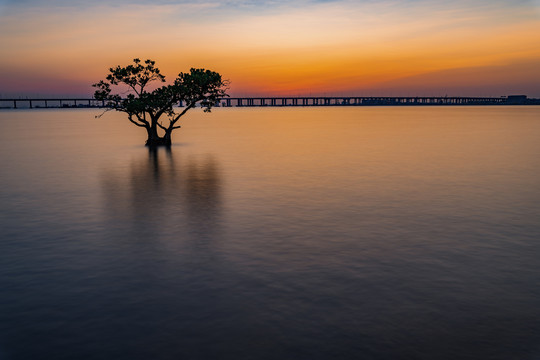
[(288, 101)]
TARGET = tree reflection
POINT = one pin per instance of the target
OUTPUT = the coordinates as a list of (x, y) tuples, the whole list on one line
[(165, 194)]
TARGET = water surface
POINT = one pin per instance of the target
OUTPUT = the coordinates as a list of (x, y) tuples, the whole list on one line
[(272, 233)]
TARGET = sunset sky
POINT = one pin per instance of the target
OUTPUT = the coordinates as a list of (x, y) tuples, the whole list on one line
[(278, 47)]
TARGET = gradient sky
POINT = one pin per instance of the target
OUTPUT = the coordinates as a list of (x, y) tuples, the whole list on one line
[(317, 47)]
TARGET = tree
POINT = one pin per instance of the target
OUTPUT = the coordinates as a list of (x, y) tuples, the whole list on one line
[(145, 108)]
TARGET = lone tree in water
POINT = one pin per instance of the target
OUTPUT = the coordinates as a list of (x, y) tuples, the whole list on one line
[(145, 108)]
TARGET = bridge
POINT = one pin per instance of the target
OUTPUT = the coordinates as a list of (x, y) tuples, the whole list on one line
[(290, 101), (357, 101)]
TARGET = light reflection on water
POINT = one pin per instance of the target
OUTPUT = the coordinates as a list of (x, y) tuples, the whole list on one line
[(374, 233), (161, 193)]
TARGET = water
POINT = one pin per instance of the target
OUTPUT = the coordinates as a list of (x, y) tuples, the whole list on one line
[(288, 233)]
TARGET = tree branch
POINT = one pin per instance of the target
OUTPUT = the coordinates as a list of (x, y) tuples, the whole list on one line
[(164, 108), (130, 117), (190, 106), (142, 119), (103, 113), (161, 126)]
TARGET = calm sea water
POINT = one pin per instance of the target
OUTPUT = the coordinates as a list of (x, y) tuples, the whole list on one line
[(328, 233)]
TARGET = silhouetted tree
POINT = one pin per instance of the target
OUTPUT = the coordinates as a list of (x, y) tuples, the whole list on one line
[(145, 108)]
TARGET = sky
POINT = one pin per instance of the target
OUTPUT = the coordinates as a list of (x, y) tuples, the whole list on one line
[(278, 47)]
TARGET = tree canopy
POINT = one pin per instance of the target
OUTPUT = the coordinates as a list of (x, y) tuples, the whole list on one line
[(145, 107)]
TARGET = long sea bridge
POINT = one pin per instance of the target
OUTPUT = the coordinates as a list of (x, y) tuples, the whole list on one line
[(356, 101), (290, 101)]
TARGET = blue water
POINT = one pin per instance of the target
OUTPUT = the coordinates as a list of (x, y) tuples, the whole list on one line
[(290, 233)]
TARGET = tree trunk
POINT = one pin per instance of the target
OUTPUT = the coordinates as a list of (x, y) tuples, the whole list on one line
[(159, 141), (155, 140), (167, 137)]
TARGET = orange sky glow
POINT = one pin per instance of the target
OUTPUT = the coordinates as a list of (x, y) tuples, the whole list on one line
[(401, 48)]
